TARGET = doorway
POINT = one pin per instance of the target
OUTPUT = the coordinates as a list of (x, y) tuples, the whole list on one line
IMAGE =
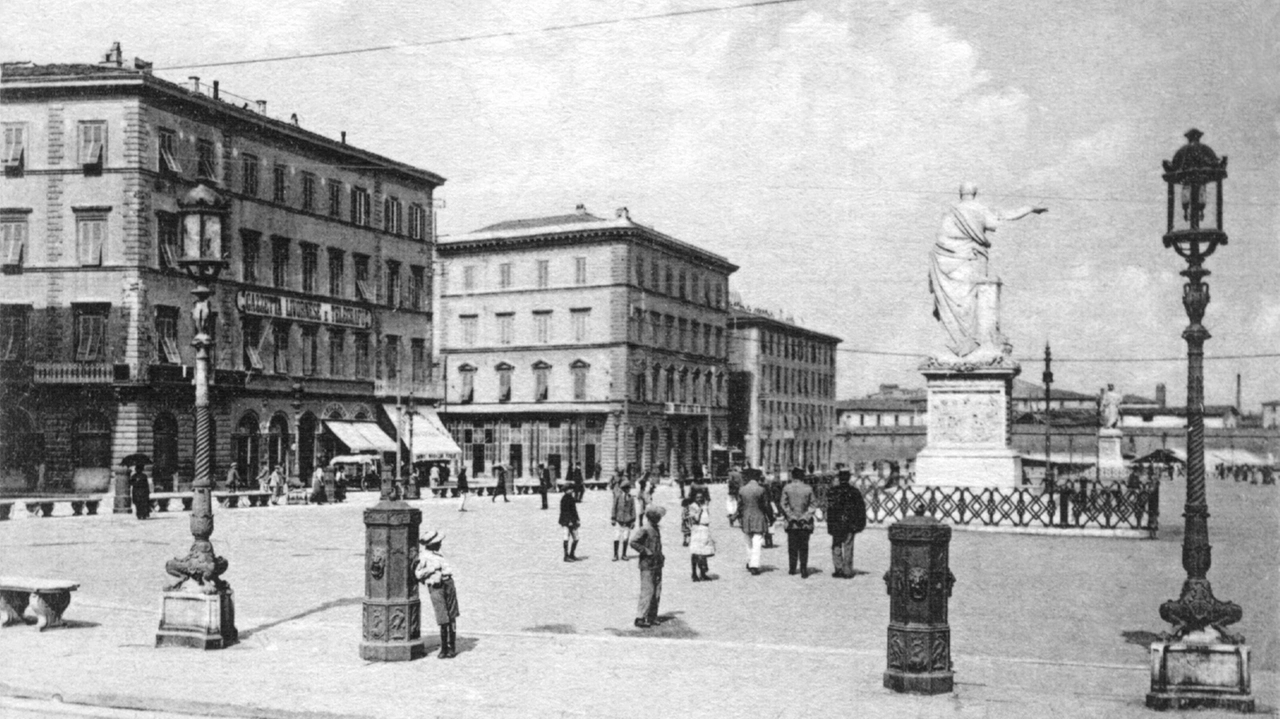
[(517, 460)]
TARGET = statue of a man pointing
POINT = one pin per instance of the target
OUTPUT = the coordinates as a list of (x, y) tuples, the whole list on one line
[(958, 266)]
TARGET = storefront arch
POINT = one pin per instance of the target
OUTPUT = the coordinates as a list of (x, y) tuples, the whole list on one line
[(278, 442), (246, 447), (307, 458), (164, 451), (21, 451)]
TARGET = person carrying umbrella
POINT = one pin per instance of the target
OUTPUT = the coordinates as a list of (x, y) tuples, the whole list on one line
[(140, 492)]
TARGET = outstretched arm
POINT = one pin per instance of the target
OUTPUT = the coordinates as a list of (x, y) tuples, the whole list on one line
[(1022, 212)]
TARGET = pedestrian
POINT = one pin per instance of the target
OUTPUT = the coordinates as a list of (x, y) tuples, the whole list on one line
[(731, 500), (623, 519), (436, 573), (773, 495), (140, 493), (233, 478), (463, 490), (846, 516), (500, 473), (647, 541), (433, 478), (276, 483), (687, 507), (701, 543), (798, 509), (264, 479), (340, 484), (755, 515), (544, 482), (569, 520), (575, 477), (317, 486)]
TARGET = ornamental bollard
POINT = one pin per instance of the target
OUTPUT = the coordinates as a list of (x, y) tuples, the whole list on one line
[(392, 610), (919, 583)]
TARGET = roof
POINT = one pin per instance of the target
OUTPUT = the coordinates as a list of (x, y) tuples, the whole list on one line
[(16, 75), (876, 404), (1210, 410), (537, 222), (744, 317)]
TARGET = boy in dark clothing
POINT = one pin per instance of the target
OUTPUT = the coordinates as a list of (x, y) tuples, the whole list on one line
[(569, 520), (647, 541)]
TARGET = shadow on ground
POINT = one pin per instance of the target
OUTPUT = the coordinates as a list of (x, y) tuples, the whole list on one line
[(669, 626), (553, 629), (1141, 637), (246, 633)]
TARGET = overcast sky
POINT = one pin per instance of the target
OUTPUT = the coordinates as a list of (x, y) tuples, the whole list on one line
[(814, 143)]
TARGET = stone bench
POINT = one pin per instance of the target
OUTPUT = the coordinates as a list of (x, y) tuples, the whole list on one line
[(44, 507), (48, 599), (161, 501), (5, 508)]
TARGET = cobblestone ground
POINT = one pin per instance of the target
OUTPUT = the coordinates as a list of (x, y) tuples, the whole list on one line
[(1041, 626)]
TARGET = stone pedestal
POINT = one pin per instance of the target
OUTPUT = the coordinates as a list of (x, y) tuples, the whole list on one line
[(197, 620), (1200, 671), (969, 432), (121, 500), (392, 610), (1110, 460)]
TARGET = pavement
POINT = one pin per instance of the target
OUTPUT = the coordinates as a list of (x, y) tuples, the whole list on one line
[(1041, 626)]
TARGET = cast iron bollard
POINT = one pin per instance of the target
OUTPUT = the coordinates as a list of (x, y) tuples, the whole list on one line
[(919, 583), (392, 610)]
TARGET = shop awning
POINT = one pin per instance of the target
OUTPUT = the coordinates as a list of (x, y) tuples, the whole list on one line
[(431, 441), (361, 436)]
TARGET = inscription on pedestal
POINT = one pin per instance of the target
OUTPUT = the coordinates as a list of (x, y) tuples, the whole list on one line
[(966, 419)]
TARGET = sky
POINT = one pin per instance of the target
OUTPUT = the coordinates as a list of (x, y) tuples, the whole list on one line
[(814, 143)]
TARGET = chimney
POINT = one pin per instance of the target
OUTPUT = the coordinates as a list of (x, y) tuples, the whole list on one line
[(262, 107), (195, 83), (581, 209), (1160, 394), (113, 58), (142, 65), (215, 89), (623, 214), (1238, 407), (344, 137)]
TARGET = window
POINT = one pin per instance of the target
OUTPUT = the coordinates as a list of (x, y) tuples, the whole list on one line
[(580, 270), (579, 318), (335, 198), (168, 160), (579, 369), (392, 356), (280, 262), (13, 331), (541, 380), (13, 241), (468, 278), (542, 325), (506, 327), (706, 339), (167, 335), (91, 332), (417, 286), (639, 394), (310, 267), (682, 332), (310, 351), (417, 221), (719, 342), (207, 165), (640, 271), (544, 273), (361, 340), (249, 256), (249, 175), (308, 192), (653, 276), (418, 360), (254, 338), (669, 282), (91, 231), (669, 338), (504, 275), (504, 382), (279, 183), (680, 288), (337, 351), (468, 390), (15, 148), (469, 323), (360, 206), (168, 238), (655, 325), (363, 290), (393, 283), (93, 145), (393, 216), (337, 273), (280, 351)]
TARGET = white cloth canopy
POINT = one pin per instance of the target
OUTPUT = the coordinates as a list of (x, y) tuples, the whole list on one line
[(431, 441), (360, 436)]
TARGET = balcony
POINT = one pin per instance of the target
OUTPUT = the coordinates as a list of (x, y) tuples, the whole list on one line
[(701, 410), (403, 387), (79, 373)]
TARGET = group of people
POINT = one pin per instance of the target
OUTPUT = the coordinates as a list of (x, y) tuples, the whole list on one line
[(1246, 473)]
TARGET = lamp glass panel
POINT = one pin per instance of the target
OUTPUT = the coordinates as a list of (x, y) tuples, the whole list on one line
[(191, 235), (211, 240)]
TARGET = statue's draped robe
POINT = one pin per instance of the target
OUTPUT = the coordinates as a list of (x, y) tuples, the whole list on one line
[(956, 266)]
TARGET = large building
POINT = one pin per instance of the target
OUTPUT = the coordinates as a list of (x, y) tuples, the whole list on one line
[(783, 406), (323, 313), (577, 339)]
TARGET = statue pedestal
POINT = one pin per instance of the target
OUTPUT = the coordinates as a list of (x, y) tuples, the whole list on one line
[(969, 432), (1200, 671), (1110, 460), (197, 620)]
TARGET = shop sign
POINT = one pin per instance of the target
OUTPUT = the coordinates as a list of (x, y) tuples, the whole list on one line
[(292, 308)]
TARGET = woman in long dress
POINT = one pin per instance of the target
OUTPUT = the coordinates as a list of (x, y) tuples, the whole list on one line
[(701, 544)]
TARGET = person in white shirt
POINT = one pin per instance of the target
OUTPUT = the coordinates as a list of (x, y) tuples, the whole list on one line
[(432, 570)]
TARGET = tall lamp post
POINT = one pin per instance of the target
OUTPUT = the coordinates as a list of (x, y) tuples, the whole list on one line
[(1200, 664), (198, 611)]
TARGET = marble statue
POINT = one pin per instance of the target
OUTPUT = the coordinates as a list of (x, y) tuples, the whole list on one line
[(957, 271), (1110, 403)]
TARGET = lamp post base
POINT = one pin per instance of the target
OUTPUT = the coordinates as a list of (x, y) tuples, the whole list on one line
[(196, 620), (1200, 671)]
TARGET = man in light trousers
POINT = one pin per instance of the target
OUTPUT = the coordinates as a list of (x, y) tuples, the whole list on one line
[(756, 515)]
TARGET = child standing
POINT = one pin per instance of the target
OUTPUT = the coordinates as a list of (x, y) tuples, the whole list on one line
[(647, 541), (688, 506), (623, 519), (701, 543), (569, 520), (433, 571)]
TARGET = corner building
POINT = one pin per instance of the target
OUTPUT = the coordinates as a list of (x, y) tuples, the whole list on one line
[(783, 391), (576, 339), (323, 312)]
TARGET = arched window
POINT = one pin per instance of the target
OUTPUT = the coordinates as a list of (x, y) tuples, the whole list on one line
[(21, 449), (246, 447), (307, 457), (164, 450), (91, 437), (278, 442)]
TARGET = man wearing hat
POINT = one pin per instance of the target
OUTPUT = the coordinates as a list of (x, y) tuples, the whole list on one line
[(846, 516), (432, 570), (569, 520), (756, 514), (647, 541), (798, 508), (623, 518)]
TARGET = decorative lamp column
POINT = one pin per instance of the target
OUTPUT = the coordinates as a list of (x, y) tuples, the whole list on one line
[(411, 490), (919, 583), (198, 610), (1199, 664), (392, 611)]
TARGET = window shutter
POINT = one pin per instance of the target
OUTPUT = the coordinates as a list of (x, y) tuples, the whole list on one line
[(8, 335)]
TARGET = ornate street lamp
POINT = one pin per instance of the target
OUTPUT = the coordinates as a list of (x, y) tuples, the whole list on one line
[(201, 614), (1201, 664)]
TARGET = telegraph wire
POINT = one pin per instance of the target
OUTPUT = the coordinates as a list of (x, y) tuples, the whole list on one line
[(487, 36)]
